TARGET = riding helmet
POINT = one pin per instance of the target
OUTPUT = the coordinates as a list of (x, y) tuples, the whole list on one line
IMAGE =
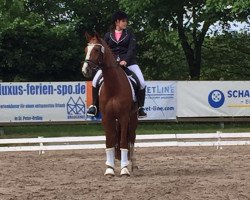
[(119, 15)]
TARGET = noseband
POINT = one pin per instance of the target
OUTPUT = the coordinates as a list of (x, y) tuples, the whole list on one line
[(99, 64)]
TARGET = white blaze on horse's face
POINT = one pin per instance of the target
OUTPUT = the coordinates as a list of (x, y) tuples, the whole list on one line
[(85, 65)]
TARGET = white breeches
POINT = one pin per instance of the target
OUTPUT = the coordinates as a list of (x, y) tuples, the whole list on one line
[(95, 79), (133, 68)]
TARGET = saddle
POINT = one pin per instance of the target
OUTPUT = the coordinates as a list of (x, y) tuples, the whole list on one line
[(132, 78)]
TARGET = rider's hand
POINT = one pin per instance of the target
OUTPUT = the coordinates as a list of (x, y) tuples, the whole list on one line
[(123, 63)]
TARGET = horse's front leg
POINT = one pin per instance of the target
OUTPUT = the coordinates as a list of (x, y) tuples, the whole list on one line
[(110, 130), (110, 161)]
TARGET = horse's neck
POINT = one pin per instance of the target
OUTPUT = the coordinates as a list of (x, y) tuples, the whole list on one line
[(110, 70), (109, 60), (113, 75)]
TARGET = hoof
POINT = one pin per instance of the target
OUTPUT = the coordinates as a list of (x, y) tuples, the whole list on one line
[(125, 172), (109, 172)]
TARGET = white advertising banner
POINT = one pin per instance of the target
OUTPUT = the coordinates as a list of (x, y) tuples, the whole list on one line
[(213, 98), (42, 102), (160, 102)]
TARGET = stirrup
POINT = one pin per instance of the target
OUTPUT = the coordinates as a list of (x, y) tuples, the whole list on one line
[(92, 111), (141, 113)]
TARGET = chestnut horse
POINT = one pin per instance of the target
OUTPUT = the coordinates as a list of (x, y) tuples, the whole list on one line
[(119, 112)]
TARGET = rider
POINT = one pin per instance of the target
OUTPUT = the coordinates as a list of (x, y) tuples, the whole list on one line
[(123, 45)]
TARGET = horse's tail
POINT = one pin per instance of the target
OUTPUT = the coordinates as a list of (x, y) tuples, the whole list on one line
[(117, 143)]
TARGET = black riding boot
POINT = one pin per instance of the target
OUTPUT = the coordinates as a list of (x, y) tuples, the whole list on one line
[(93, 109), (141, 100)]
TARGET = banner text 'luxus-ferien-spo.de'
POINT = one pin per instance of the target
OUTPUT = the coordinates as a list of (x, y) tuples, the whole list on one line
[(42, 102)]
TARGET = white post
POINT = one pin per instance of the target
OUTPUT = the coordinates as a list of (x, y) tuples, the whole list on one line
[(41, 144), (219, 140)]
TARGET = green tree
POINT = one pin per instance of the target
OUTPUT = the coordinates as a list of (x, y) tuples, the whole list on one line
[(226, 57), (95, 14), (190, 18), (33, 48), (42, 40), (160, 55)]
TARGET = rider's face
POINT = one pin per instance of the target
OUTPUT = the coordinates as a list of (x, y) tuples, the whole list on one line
[(121, 24)]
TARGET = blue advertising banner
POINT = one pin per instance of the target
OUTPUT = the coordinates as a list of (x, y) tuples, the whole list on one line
[(42, 102)]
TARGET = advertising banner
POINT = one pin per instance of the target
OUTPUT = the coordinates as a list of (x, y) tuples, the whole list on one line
[(213, 98), (42, 102), (160, 102)]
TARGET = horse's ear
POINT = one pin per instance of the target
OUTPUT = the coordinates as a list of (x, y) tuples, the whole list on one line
[(88, 36), (97, 36)]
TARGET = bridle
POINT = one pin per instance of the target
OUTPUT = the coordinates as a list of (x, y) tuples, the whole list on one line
[(99, 64)]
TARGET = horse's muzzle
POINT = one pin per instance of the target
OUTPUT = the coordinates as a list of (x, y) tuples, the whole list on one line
[(87, 74), (86, 71)]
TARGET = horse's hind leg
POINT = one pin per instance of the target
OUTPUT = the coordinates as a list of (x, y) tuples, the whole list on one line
[(118, 138), (132, 135)]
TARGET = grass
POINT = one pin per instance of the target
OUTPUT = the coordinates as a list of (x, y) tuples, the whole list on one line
[(96, 129)]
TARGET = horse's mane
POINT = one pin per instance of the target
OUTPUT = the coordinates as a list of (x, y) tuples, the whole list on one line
[(108, 53)]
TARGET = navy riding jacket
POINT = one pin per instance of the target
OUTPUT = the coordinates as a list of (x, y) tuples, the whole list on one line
[(125, 48)]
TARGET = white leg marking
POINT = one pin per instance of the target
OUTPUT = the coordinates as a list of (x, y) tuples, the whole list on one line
[(124, 158), (124, 162), (110, 154)]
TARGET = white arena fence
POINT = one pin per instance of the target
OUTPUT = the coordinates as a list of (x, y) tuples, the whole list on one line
[(41, 144)]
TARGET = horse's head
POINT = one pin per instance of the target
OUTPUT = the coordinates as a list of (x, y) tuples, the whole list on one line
[(94, 55)]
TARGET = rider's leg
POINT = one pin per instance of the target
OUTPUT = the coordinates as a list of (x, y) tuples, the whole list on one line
[(93, 109), (141, 101), (141, 93)]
